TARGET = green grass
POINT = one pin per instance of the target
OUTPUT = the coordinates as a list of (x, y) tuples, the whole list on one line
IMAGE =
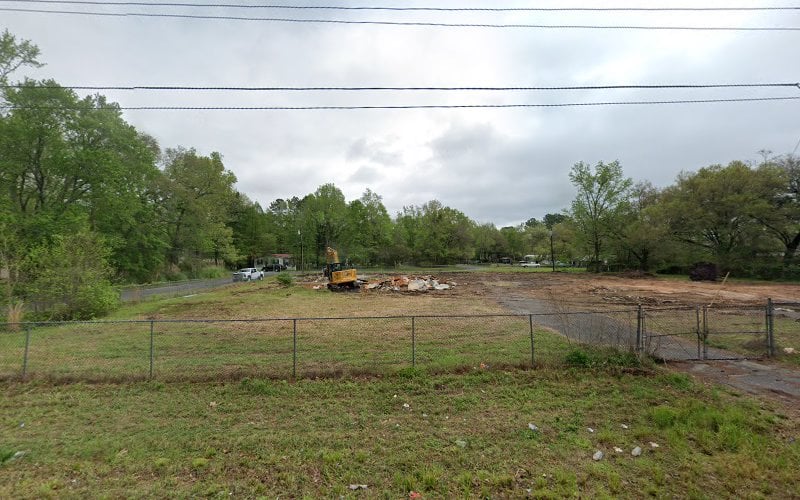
[(461, 435), (245, 428), (185, 346), (225, 349)]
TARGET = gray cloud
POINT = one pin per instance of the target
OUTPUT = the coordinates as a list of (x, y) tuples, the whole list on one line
[(365, 175), (376, 152), (503, 166)]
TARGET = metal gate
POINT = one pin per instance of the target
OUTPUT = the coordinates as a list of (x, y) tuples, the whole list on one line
[(707, 332)]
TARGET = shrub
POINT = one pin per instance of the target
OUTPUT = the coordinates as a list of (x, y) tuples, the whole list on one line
[(703, 271), (213, 272), (285, 279), (578, 357), (73, 273), (598, 357)]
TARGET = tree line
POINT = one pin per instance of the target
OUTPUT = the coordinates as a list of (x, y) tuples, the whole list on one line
[(89, 201)]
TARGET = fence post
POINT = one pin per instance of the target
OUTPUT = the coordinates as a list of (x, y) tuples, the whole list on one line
[(413, 343), (25, 355), (770, 328), (530, 324), (639, 329), (697, 313), (705, 332), (152, 348), (294, 348)]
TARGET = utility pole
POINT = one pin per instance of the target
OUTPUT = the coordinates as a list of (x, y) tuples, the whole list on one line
[(302, 264), (552, 252)]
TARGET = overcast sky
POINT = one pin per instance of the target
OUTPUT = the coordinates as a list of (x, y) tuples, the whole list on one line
[(496, 165)]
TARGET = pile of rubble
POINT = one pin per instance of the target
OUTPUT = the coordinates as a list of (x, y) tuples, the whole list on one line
[(410, 284)]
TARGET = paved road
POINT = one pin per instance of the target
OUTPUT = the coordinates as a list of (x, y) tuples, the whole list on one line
[(753, 377), (614, 328)]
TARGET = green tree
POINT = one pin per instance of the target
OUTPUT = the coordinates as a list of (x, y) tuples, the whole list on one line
[(514, 244), (444, 234), (490, 244), (550, 220), (284, 221), (713, 210), (323, 220), (641, 237), (11, 252), (198, 193), (66, 159), (602, 197), (250, 228), (778, 183), (369, 229), (406, 235), (563, 241), (14, 54)]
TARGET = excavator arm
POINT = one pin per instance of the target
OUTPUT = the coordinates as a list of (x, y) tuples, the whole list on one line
[(331, 256)]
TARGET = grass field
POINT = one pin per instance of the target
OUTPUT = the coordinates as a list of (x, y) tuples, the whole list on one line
[(238, 331), (446, 435), (456, 426)]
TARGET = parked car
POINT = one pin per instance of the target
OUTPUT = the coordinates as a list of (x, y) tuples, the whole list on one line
[(248, 274), (530, 264), (274, 268)]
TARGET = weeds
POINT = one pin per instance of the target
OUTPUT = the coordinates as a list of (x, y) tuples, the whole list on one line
[(15, 313), (315, 437), (588, 357), (285, 279)]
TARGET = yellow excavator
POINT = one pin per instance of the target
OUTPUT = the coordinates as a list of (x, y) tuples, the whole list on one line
[(339, 276)]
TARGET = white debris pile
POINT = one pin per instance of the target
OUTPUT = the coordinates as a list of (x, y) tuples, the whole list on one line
[(408, 284)]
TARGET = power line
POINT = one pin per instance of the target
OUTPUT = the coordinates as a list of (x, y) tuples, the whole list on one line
[(406, 23), (403, 89), (410, 9), (423, 106)]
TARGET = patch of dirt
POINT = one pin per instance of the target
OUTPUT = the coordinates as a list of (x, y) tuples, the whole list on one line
[(765, 380), (629, 289)]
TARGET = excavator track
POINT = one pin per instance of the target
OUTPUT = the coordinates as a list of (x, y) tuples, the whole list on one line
[(347, 287)]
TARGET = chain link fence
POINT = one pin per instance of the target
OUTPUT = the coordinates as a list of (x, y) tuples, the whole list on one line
[(672, 333), (310, 347), (785, 324), (277, 348), (718, 332)]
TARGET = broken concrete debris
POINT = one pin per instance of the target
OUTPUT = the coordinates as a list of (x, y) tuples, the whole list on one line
[(417, 285), (407, 283)]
